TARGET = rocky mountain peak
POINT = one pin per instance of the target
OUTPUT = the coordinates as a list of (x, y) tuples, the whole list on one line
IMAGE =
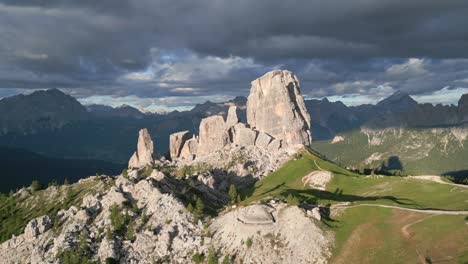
[(400, 101), (277, 118), (275, 106), (145, 149), (41, 110)]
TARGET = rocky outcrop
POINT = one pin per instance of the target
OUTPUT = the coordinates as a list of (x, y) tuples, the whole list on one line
[(189, 150), (176, 142), (213, 135), (163, 230), (37, 227), (275, 106), (145, 149), (242, 135), (232, 118), (277, 121)]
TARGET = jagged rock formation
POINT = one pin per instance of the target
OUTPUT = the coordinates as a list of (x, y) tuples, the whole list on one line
[(277, 118), (162, 228), (275, 106), (176, 141), (145, 149)]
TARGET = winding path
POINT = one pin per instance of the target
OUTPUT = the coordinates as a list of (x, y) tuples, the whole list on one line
[(428, 211)]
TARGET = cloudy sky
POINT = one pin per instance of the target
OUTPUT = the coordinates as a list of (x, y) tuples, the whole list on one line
[(173, 54)]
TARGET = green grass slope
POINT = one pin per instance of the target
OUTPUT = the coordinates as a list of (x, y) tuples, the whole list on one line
[(367, 234), (286, 183)]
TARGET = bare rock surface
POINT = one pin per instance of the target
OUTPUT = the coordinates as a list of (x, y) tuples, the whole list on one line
[(37, 227), (243, 136), (337, 139), (232, 118), (263, 140), (189, 150), (213, 135), (275, 106), (145, 149), (176, 142), (291, 238), (257, 214), (317, 179)]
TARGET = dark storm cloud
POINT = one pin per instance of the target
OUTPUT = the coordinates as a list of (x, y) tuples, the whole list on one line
[(151, 48)]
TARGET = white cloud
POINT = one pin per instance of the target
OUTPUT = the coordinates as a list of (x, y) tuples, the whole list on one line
[(445, 96), (412, 67), (190, 68)]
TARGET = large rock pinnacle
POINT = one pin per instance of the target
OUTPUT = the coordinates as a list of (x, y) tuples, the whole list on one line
[(276, 107), (145, 149)]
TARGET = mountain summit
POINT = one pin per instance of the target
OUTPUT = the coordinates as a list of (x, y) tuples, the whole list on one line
[(40, 110), (398, 102)]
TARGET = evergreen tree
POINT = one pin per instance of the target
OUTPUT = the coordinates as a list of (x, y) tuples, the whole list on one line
[(199, 206), (35, 186), (232, 193)]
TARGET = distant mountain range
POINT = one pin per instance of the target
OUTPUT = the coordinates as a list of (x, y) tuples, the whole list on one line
[(398, 110), (42, 110), (57, 125)]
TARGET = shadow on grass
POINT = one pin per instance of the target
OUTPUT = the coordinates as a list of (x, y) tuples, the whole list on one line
[(312, 195)]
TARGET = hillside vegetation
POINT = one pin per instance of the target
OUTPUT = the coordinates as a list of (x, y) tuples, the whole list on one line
[(16, 210), (414, 151), (410, 236)]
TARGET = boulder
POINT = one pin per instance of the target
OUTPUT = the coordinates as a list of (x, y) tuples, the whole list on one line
[(275, 106), (242, 135), (189, 150), (232, 118), (213, 135), (145, 149), (37, 226), (274, 145), (263, 139), (176, 142)]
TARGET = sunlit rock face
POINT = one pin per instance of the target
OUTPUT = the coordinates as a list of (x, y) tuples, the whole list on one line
[(145, 149), (276, 107)]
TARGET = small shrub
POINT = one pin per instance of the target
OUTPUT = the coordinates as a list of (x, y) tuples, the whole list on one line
[(212, 258), (198, 258), (249, 242), (226, 260)]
